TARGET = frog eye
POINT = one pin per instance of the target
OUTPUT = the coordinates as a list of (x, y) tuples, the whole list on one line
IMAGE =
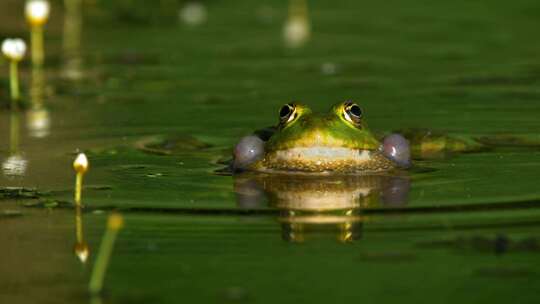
[(287, 113), (352, 113)]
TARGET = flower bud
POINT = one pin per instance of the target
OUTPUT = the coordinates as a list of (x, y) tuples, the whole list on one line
[(37, 11), (14, 49), (81, 163)]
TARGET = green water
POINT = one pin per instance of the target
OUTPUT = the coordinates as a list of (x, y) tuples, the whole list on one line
[(466, 231)]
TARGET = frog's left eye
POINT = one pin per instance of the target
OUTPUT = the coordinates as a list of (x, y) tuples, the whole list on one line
[(287, 113), (352, 113)]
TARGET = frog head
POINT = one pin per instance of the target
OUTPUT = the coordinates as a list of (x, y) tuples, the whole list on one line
[(309, 142)]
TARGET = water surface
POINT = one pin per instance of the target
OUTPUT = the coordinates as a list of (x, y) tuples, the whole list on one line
[(466, 230)]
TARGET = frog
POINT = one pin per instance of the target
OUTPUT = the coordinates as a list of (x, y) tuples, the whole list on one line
[(340, 142), (306, 142)]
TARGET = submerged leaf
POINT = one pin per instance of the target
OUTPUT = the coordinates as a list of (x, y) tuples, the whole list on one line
[(169, 145), (511, 140), (429, 144), (20, 193)]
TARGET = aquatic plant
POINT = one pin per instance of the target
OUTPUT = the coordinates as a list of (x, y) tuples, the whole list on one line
[(14, 50), (81, 166), (114, 224), (81, 248), (37, 14)]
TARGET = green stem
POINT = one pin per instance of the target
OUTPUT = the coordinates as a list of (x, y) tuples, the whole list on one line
[(78, 188), (14, 83), (102, 261), (36, 36), (37, 88), (78, 224)]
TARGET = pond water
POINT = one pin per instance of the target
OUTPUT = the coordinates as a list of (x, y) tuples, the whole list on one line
[(460, 228)]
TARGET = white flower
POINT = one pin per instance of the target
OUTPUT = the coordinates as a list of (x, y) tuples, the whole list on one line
[(37, 11), (193, 13), (296, 31), (14, 49), (81, 163)]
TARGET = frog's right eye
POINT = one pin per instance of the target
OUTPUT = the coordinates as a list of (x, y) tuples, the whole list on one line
[(352, 113), (287, 113)]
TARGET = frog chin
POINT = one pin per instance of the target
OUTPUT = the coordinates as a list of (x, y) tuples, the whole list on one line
[(324, 160), (323, 154)]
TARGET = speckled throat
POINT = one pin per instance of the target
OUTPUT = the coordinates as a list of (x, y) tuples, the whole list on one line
[(324, 160)]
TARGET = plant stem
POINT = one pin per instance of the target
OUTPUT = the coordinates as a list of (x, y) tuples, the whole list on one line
[(14, 83), (104, 255), (36, 36), (78, 224), (78, 188)]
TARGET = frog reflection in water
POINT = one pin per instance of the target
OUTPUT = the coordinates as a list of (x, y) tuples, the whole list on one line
[(314, 206)]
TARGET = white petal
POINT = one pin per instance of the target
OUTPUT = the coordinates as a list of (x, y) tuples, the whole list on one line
[(81, 163), (37, 11), (14, 49)]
